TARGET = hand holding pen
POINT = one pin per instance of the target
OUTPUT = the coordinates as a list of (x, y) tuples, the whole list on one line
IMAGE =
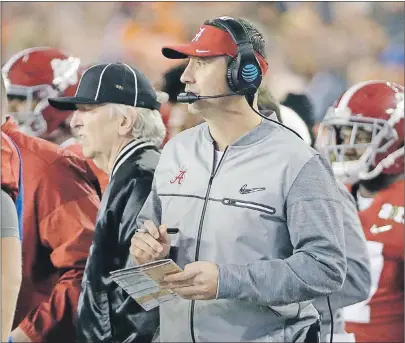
[(150, 243)]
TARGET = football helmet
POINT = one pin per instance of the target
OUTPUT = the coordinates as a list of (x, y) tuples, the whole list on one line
[(33, 75), (363, 132)]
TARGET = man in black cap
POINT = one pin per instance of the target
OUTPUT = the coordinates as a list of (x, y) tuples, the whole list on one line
[(119, 126)]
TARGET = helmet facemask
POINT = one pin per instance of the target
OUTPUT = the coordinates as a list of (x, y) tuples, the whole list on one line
[(30, 118), (352, 143)]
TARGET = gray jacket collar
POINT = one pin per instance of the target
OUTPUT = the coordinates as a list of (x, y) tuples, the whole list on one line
[(257, 134)]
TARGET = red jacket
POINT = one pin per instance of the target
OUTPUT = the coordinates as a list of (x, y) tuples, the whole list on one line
[(60, 207), (10, 166)]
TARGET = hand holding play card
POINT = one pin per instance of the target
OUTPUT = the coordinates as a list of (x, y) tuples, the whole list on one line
[(142, 282)]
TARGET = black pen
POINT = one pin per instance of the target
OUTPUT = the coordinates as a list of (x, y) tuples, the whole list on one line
[(170, 230)]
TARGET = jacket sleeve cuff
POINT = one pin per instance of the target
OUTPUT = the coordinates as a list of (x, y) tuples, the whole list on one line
[(29, 330), (229, 281)]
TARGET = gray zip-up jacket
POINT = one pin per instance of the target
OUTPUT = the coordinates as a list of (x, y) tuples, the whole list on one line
[(268, 214), (357, 284)]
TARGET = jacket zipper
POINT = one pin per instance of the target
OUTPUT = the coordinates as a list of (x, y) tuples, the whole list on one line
[(197, 250), (249, 204)]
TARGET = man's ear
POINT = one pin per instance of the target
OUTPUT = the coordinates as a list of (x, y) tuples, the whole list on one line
[(127, 122)]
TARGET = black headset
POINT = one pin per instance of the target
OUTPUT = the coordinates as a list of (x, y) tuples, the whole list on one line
[(244, 73)]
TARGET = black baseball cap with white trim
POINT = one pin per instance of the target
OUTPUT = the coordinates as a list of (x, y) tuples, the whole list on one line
[(115, 83)]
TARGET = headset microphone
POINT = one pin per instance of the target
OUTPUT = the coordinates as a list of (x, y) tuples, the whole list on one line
[(191, 97)]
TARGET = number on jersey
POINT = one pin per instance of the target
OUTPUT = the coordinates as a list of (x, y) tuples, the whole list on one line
[(395, 213)]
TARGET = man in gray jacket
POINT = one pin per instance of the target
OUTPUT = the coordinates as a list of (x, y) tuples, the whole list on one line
[(356, 287), (258, 212)]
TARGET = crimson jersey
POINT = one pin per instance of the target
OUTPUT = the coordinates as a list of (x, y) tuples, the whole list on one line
[(10, 166), (381, 317)]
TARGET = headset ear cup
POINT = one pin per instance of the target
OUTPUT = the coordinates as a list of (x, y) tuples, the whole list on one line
[(258, 80), (251, 75), (230, 75)]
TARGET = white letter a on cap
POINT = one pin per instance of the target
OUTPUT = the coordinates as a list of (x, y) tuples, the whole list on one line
[(198, 35)]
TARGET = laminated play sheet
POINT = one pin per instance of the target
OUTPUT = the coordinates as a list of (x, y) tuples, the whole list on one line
[(142, 282)]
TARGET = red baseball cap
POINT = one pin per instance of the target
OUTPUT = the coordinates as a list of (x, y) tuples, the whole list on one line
[(209, 41)]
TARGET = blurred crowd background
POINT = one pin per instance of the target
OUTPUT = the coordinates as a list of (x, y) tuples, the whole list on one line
[(314, 48)]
